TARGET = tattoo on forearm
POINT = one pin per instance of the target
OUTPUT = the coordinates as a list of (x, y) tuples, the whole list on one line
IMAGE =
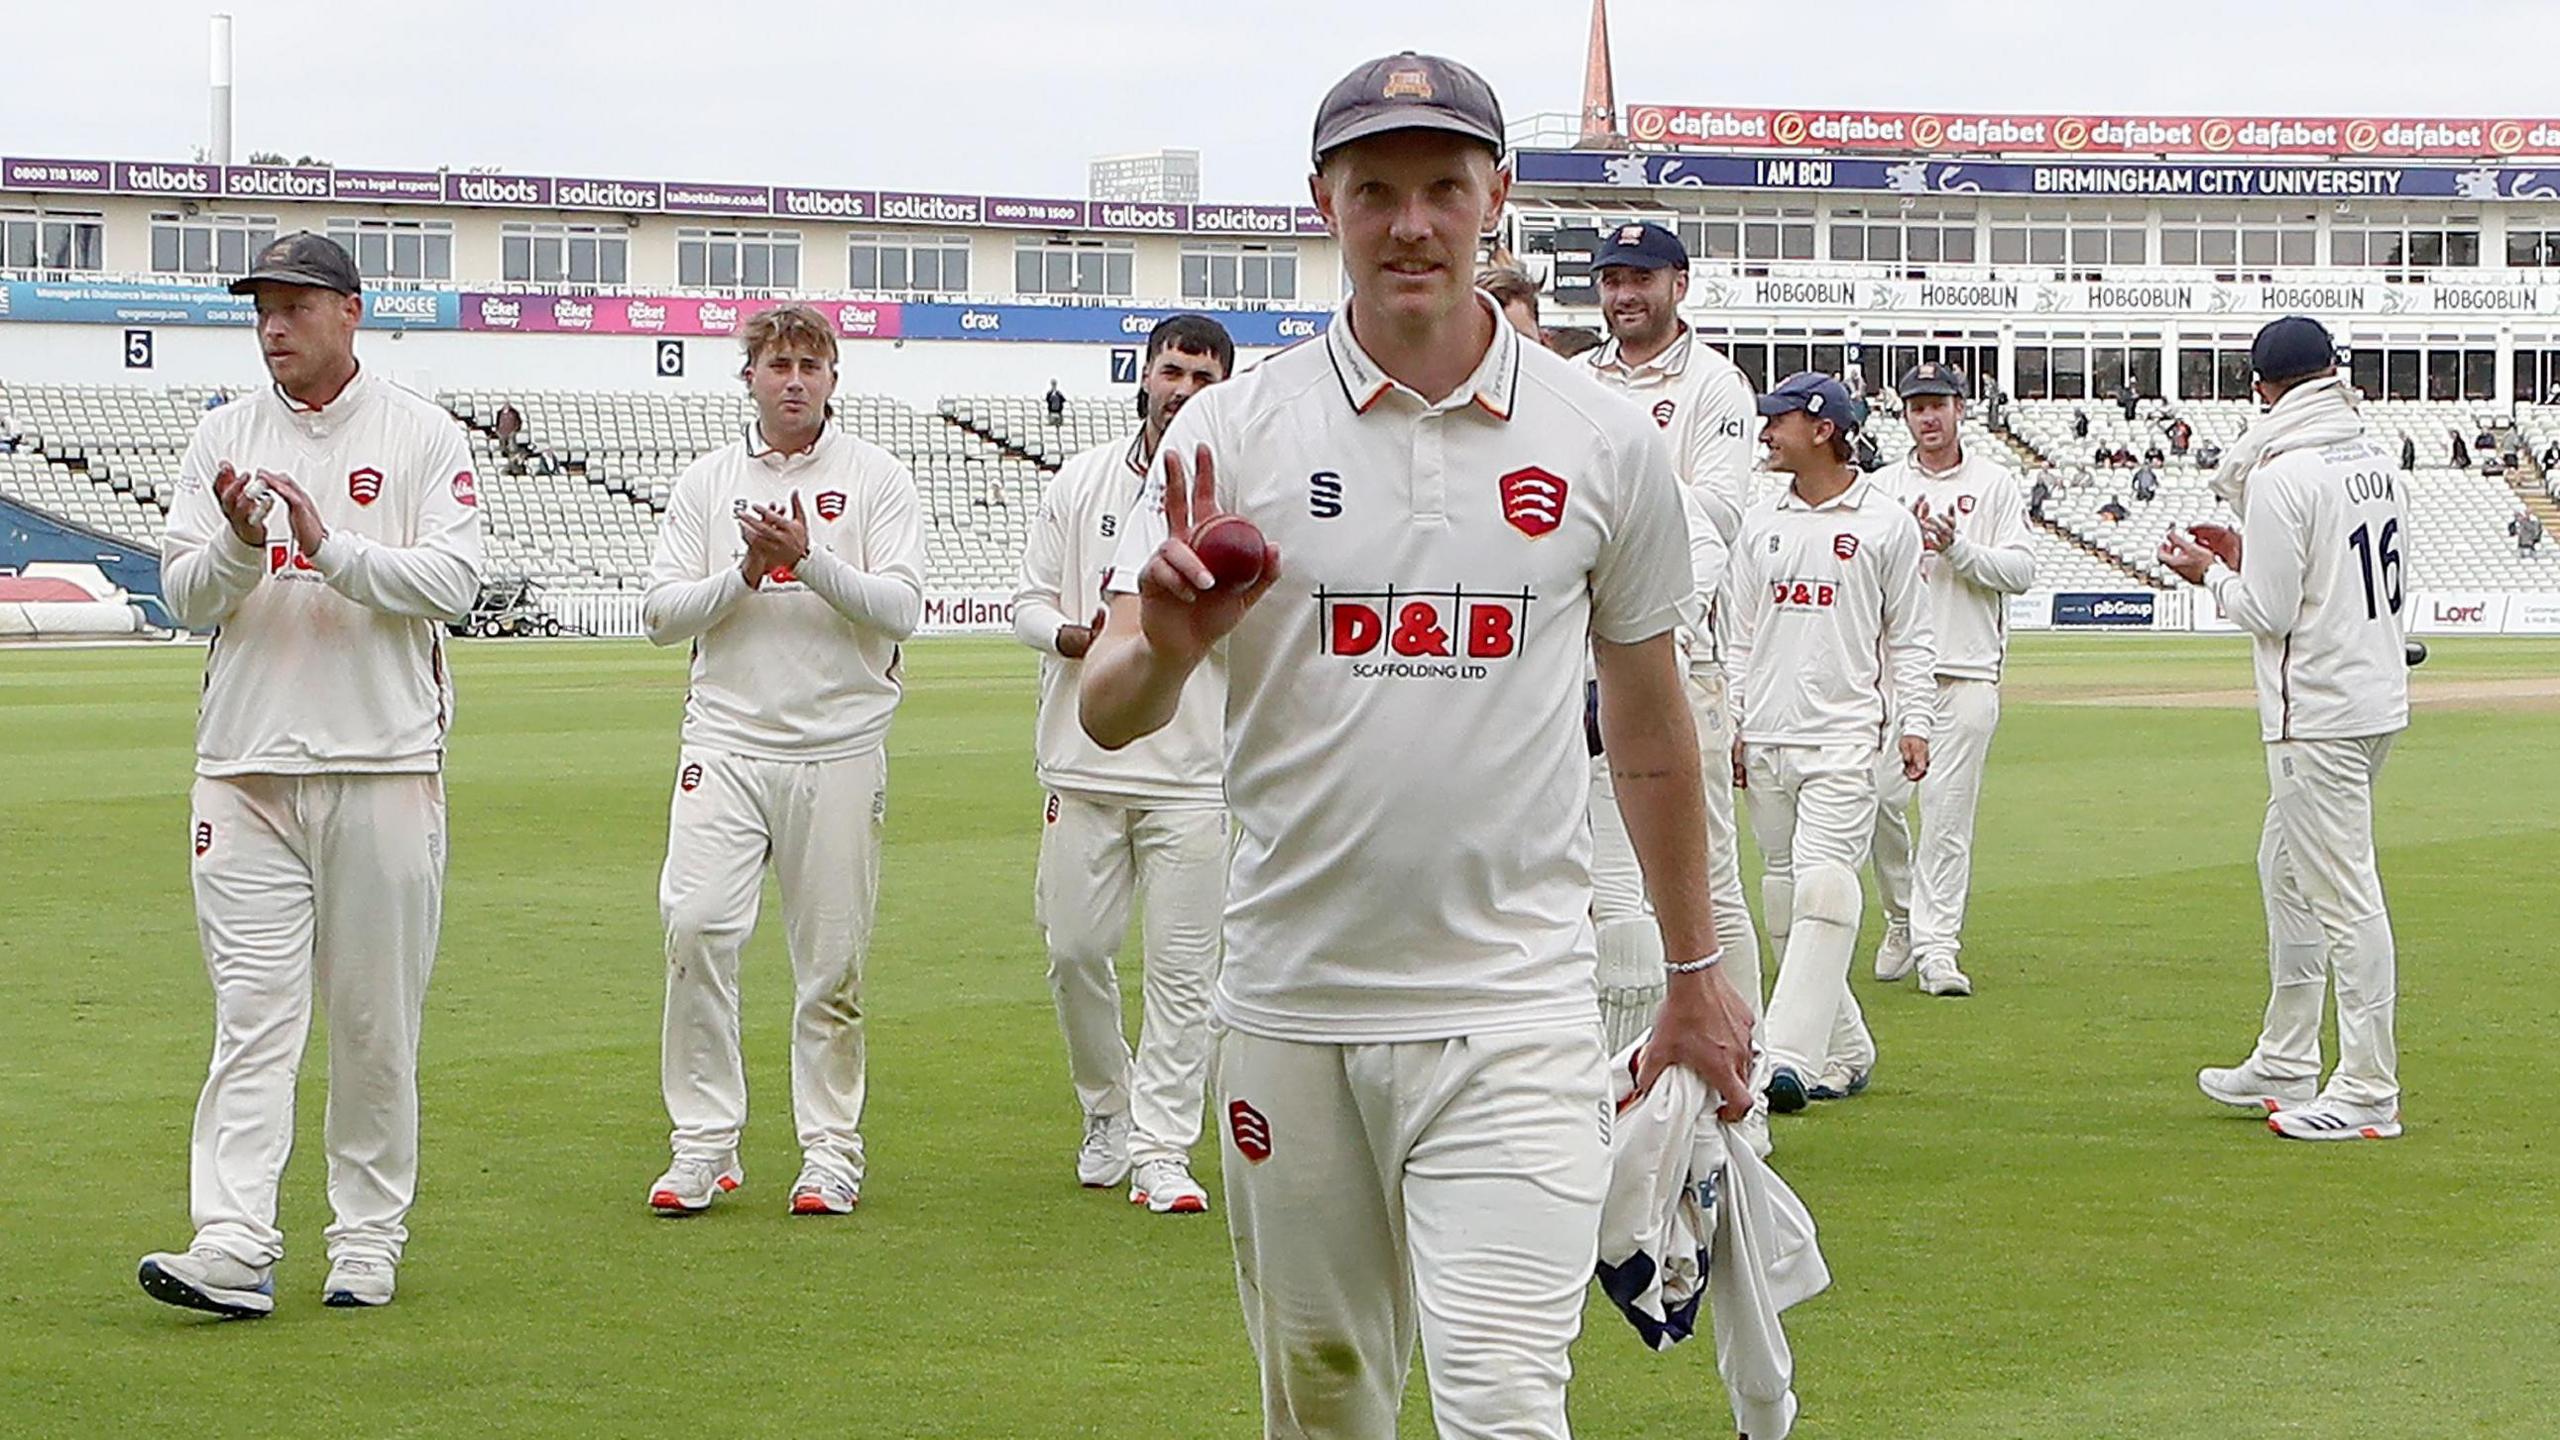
[(1617, 774)]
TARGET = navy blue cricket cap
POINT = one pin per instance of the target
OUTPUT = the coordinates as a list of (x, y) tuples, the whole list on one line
[(2290, 348), (1646, 247), (302, 258), (1817, 395), (1408, 92), (1929, 377)]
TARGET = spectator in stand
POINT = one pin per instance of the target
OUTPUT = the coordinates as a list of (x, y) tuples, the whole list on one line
[(2114, 509), (2079, 423), (2408, 453), (2461, 452), (2125, 398), (1570, 341), (1995, 410), (2492, 464), (2208, 456), (2101, 456), (1057, 400), (2083, 479), (2550, 457), (508, 427), (2146, 485), (1869, 458), (2122, 456), (2154, 456), (2527, 528), (2181, 435), (2040, 496), (2553, 397), (2485, 441)]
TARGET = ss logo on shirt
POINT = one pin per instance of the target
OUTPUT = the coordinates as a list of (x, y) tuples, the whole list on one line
[(1324, 495), (1110, 526)]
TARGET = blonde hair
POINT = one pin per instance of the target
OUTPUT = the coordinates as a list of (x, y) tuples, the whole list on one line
[(796, 327)]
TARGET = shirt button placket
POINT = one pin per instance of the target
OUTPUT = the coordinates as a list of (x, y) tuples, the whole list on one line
[(1430, 474)]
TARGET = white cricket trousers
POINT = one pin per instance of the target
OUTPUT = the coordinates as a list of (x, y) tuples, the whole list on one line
[(1629, 940), (335, 880), (1098, 856), (1449, 1187), (1813, 810), (2326, 920), (818, 823), (1931, 896)]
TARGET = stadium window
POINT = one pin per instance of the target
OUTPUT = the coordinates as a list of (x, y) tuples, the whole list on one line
[(2195, 373), (2479, 374), (1220, 270), (2231, 375), (2405, 243), (2070, 372), (207, 244), (2033, 372), (397, 249), (52, 240), (738, 259), (565, 254), (1074, 267), (2364, 371), (928, 264), (2400, 374)]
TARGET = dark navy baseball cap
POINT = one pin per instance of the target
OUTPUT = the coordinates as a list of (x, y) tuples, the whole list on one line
[(1645, 247), (1817, 395), (302, 258), (2291, 348), (1408, 92), (1931, 378)]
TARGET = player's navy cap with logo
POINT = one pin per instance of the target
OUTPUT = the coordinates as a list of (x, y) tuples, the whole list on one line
[(2291, 348), (303, 258), (1931, 378), (1817, 395), (1645, 247), (1408, 92)]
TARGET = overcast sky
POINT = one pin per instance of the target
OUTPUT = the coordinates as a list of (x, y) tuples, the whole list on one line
[(1013, 96)]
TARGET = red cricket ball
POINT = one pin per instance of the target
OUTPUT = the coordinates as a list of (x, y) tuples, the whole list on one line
[(1233, 549)]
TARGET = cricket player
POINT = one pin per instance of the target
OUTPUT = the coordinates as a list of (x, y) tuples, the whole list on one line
[(2317, 577), (1148, 818), (1414, 1093), (326, 529), (1704, 405), (1973, 535), (1835, 620), (793, 560)]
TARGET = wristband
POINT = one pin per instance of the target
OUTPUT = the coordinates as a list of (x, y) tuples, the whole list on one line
[(1692, 967)]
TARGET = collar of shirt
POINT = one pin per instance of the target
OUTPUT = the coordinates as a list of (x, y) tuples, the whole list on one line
[(1673, 361), (319, 420), (1853, 498), (1137, 456), (1493, 388), (1920, 472), (780, 462)]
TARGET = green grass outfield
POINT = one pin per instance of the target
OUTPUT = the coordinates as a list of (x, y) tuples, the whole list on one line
[(2038, 1228)]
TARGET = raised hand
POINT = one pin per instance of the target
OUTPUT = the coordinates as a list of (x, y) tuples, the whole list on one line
[(309, 530), (244, 506), (1180, 609)]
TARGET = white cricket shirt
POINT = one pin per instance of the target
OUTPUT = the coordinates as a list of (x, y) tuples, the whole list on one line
[(2323, 574), (1704, 405), (1405, 758), (1834, 619), (333, 661), (1065, 567), (1970, 582), (804, 666)]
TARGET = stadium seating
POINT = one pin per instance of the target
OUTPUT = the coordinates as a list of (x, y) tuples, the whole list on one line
[(597, 468)]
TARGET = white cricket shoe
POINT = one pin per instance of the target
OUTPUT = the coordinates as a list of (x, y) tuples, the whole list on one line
[(1166, 1188), (2327, 1119), (2244, 1086), (1104, 1160), (1893, 957), (358, 1281), (1939, 976), (1840, 1080), (204, 1279), (692, 1183), (824, 1190)]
